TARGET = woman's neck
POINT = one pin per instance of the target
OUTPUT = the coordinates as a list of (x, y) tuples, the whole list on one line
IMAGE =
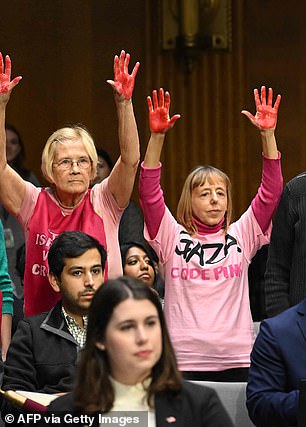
[(130, 379), (67, 201), (144, 381), (208, 229)]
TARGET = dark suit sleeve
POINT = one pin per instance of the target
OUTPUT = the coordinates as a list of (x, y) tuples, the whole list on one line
[(277, 277), (268, 400)]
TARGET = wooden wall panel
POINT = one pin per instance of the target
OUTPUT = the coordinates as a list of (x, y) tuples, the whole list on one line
[(210, 98), (65, 49), (276, 39), (28, 35)]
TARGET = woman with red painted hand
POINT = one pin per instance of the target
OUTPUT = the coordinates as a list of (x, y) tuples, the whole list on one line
[(205, 256), (128, 364), (69, 163)]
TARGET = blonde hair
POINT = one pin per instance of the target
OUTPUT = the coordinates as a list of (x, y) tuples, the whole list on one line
[(70, 133), (197, 177)]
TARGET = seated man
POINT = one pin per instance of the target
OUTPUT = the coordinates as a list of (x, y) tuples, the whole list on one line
[(44, 349), (278, 363)]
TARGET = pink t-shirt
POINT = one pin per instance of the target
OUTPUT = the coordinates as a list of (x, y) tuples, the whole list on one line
[(207, 297), (103, 212)]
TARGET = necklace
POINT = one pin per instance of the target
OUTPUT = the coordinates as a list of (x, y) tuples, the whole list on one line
[(61, 204)]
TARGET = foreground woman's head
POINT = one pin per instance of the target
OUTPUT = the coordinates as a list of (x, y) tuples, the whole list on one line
[(127, 339)]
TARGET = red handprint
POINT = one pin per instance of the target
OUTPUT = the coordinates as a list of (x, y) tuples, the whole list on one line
[(6, 85), (159, 119), (266, 115), (123, 82)]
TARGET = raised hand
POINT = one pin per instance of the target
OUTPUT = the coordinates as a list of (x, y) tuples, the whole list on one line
[(159, 119), (266, 115), (123, 83), (6, 85)]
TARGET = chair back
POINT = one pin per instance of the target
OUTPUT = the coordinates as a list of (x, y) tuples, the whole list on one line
[(233, 398)]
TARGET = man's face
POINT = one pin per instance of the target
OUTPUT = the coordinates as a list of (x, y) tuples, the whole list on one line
[(80, 279)]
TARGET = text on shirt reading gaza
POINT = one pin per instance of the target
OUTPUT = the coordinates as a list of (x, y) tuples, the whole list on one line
[(217, 251)]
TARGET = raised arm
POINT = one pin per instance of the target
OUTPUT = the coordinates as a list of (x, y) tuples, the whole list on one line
[(12, 186), (122, 177), (269, 192), (151, 195)]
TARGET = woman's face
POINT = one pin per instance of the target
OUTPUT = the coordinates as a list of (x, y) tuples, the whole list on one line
[(103, 171), (74, 180), (209, 201), (12, 145), (133, 340), (138, 264)]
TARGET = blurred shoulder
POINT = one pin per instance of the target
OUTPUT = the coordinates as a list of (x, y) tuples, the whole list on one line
[(62, 403)]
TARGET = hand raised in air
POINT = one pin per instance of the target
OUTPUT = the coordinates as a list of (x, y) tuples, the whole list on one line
[(266, 114), (159, 118), (6, 85), (123, 83)]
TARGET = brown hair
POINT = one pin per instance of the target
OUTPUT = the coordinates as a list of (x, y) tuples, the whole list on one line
[(93, 390), (197, 177)]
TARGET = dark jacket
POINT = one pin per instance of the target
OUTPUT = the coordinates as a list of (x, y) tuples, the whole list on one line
[(194, 406), (278, 363), (285, 278), (41, 357)]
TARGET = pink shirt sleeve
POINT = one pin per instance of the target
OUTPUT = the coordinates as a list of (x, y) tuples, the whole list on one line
[(107, 208), (103, 201), (268, 195), (151, 198), (28, 205)]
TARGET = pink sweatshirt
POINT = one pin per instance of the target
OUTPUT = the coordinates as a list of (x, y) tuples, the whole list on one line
[(43, 219), (206, 276)]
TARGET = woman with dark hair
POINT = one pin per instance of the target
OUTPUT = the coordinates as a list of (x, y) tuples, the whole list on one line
[(140, 260), (104, 166), (128, 363), (15, 154), (137, 261)]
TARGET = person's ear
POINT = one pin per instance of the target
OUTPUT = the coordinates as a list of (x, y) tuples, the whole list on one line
[(54, 282), (100, 346)]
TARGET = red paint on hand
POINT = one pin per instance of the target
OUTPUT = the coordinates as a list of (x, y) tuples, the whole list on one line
[(266, 114), (123, 82), (159, 118), (6, 85)]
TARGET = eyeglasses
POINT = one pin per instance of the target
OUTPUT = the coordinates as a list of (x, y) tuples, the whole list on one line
[(65, 164)]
